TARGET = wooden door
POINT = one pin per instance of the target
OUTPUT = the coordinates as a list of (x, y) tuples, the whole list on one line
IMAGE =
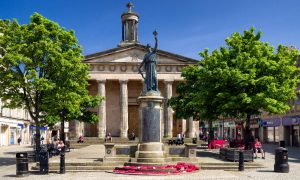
[(90, 130), (133, 119)]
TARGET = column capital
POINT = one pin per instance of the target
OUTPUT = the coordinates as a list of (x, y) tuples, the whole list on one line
[(168, 81), (123, 81), (101, 80)]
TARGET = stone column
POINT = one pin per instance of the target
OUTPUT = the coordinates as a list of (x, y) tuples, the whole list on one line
[(1, 141), (102, 110), (136, 31), (190, 127), (168, 112), (122, 31), (196, 129), (124, 108)]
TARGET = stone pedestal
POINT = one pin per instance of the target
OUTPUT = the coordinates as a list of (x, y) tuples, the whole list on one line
[(109, 150), (190, 150), (150, 147)]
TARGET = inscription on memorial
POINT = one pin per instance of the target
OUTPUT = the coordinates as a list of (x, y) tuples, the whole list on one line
[(151, 120), (123, 151)]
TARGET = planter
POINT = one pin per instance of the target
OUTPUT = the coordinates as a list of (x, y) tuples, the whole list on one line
[(232, 154)]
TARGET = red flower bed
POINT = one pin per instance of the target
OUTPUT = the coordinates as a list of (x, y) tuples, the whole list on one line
[(180, 167)]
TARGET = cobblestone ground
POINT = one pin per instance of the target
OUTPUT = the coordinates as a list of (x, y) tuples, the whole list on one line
[(8, 169)]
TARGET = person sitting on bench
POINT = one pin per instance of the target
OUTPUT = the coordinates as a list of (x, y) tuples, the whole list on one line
[(131, 136), (257, 148), (179, 139), (80, 139), (108, 138)]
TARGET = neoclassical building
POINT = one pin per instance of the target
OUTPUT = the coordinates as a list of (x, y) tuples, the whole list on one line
[(114, 75)]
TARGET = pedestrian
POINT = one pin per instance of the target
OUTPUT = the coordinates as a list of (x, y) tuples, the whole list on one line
[(19, 140), (42, 139)]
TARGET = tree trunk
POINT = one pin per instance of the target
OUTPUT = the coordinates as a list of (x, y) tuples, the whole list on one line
[(211, 132), (37, 139), (247, 134)]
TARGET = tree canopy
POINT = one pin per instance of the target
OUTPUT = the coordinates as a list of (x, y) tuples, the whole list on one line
[(41, 70), (244, 78)]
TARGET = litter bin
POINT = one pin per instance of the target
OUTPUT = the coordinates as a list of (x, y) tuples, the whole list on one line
[(281, 160), (44, 161), (22, 164)]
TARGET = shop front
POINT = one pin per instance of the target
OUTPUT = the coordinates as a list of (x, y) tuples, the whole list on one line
[(43, 131), (229, 130), (254, 126), (216, 129), (271, 129), (291, 130)]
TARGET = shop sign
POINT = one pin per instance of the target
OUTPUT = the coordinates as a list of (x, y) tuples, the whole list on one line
[(271, 122), (254, 123), (290, 120), (215, 124), (43, 128), (229, 124)]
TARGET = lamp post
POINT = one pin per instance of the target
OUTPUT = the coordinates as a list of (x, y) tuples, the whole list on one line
[(62, 153)]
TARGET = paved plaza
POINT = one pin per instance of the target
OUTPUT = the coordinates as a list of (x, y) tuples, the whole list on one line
[(88, 154)]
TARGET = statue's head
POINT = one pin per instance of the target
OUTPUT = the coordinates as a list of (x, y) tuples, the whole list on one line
[(148, 47)]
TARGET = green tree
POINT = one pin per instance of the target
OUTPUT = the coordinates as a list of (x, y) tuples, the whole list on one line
[(242, 79), (41, 70)]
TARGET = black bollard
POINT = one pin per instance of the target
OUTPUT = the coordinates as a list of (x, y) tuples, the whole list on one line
[(241, 161), (62, 163)]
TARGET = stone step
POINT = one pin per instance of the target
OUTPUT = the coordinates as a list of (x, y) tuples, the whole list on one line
[(96, 140), (230, 164), (105, 168), (228, 167), (90, 164), (83, 168)]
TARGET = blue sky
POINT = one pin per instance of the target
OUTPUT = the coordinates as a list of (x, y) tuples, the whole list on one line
[(185, 27)]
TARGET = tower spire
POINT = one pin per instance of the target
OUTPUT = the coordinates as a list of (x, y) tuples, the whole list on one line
[(130, 21)]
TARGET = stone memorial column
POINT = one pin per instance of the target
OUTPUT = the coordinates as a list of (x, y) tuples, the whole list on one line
[(150, 147), (168, 111), (124, 108), (190, 127), (102, 110)]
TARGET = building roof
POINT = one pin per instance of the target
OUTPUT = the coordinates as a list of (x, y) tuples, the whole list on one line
[(119, 49)]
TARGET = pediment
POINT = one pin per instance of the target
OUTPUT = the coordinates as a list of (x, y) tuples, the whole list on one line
[(134, 54)]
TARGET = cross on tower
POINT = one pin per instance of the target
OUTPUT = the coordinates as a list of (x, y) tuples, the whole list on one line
[(129, 6)]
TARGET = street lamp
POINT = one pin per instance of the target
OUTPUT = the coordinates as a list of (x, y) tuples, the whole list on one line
[(62, 169)]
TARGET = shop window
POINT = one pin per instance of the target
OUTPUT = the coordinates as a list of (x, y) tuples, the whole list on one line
[(270, 134)]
